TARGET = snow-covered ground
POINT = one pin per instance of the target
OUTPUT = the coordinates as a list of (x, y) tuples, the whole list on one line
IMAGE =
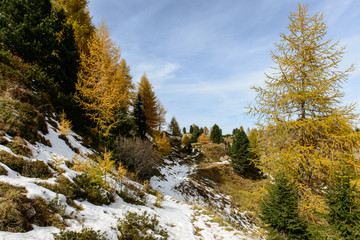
[(182, 221)]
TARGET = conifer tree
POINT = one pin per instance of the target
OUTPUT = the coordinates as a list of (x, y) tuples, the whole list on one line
[(78, 17), (104, 84), (216, 134), (239, 151), (344, 210), (306, 133), (174, 127), (161, 112), (149, 100), (184, 130), (191, 129), (139, 117), (279, 210), (203, 139), (195, 134)]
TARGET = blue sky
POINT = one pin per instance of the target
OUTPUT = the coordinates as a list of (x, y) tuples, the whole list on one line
[(202, 56)]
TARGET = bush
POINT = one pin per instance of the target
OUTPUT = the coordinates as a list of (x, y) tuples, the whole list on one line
[(21, 119), (138, 156), (3, 171), (17, 213), (35, 169), (82, 188), (142, 227), (85, 234), (19, 147)]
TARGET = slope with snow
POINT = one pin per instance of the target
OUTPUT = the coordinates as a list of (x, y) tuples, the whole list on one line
[(180, 220)]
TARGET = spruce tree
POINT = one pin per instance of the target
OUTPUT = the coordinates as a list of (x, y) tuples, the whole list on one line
[(279, 210), (216, 134), (240, 155), (139, 117), (184, 130), (344, 210), (195, 134), (191, 129)]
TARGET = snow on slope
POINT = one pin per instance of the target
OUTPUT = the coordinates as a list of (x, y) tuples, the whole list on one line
[(182, 221)]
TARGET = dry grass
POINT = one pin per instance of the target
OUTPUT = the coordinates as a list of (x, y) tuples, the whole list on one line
[(35, 169), (246, 193), (18, 213), (213, 152)]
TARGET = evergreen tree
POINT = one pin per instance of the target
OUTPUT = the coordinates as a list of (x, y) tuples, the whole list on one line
[(174, 127), (34, 31), (240, 154), (191, 129), (344, 209), (305, 133), (139, 117), (184, 130), (279, 210), (195, 134), (216, 134)]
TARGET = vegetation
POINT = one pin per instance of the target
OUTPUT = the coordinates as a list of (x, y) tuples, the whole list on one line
[(279, 209), (174, 127), (136, 226), (241, 155), (344, 209), (85, 234), (216, 134), (305, 133), (17, 212)]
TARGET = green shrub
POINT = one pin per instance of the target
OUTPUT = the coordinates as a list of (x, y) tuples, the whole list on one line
[(92, 191), (21, 119), (35, 169), (132, 197), (81, 188), (85, 234), (141, 227)]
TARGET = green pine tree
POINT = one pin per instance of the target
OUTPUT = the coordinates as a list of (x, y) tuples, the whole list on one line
[(344, 209), (279, 211), (240, 155), (139, 117), (216, 134)]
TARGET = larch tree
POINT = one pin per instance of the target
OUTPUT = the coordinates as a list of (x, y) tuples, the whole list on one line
[(161, 112), (150, 106), (174, 127), (78, 17), (104, 83), (305, 131)]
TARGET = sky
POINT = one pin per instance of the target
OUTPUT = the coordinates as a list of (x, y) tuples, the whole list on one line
[(203, 56)]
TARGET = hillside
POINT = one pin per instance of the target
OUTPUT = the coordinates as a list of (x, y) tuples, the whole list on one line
[(179, 219)]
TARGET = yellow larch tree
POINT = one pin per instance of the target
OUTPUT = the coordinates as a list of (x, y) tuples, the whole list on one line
[(150, 105), (305, 131), (104, 83)]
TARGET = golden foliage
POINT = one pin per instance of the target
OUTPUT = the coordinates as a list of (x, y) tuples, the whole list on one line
[(78, 17), (150, 104), (305, 133), (163, 144), (65, 125), (203, 139), (104, 85)]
